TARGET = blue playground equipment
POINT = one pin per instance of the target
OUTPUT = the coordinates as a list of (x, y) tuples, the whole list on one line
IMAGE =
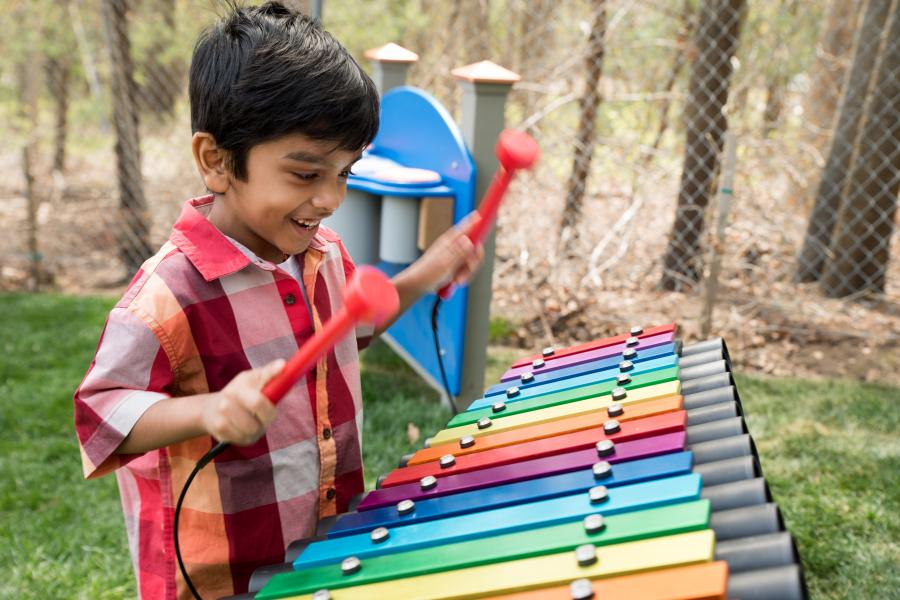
[(419, 153)]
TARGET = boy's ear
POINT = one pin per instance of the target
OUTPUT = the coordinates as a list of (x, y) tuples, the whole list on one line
[(211, 161)]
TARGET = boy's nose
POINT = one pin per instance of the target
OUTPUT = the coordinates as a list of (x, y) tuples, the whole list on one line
[(328, 198)]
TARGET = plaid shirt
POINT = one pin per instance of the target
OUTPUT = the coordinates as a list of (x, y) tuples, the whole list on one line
[(197, 314)]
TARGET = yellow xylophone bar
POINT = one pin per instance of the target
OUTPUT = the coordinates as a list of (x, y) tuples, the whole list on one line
[(554, 413), (541, 571), (706, 581)]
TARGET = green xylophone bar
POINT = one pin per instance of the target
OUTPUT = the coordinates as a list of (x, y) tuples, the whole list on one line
[(605, 531), (529, 573)]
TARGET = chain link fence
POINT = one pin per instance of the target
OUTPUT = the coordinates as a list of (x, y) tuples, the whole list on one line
[(633, 103)]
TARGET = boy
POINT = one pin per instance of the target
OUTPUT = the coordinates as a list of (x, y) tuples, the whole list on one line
[(280, 113)]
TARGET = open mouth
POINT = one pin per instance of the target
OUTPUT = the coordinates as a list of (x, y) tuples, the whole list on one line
[(306, 224)]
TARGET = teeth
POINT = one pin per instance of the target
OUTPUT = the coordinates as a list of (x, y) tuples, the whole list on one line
[(307, 223)]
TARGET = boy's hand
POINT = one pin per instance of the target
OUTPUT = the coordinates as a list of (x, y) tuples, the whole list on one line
[(452, 258), (240, 413)]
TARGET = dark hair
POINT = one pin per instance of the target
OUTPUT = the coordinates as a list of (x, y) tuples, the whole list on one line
[(266, 71)]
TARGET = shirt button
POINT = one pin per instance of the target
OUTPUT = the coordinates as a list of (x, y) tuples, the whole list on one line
[(326, 433), (330, 494), (290, 299)]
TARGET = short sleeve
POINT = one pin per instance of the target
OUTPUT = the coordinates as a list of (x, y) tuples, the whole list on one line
[(364, 331), (129, 374)]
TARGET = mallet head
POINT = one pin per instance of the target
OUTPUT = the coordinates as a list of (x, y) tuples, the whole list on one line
[(370, 296), (516, 150)]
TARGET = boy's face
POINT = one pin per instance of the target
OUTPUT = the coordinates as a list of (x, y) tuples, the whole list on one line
[(292, 183)]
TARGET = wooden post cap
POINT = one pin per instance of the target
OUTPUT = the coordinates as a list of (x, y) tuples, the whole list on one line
[(485, 72), (392, 53)]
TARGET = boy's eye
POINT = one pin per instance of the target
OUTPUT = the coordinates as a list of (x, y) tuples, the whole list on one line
[(305, 176), (345, 174)]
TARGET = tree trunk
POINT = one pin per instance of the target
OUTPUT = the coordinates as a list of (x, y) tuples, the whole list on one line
[(58, 82), (134, 246), (163, 74), (584, 140), (861, 247), (775, 92), (29, 85), (716, 40), (820, 227), (829, 71)]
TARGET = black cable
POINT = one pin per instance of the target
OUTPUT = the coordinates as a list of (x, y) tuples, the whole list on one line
[(207, 458), (440, 356)]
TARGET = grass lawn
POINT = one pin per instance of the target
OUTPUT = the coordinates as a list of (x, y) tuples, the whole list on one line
[(830, 450)]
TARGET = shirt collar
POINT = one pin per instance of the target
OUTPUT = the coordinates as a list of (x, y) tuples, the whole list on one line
[(211, 253)]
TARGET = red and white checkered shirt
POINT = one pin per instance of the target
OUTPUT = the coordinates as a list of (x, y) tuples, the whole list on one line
[(197, 314)]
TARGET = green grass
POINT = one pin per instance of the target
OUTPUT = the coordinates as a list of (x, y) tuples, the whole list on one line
[(831, 453), (830, 450), (60, 537)]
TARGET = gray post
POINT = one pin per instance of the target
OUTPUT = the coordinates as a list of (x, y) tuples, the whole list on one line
[(317, 9), (389, 65), (485, 86), (718, 246)]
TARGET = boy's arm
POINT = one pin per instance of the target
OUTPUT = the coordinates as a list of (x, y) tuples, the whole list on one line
[(130, 373), (124, 405), (169, 421), (239, 414)]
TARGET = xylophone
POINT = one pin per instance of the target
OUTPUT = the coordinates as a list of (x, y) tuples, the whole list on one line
[(619, 468)]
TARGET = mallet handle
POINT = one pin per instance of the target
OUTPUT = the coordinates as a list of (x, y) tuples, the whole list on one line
[(369, 297), (307, 355), (515, 150)]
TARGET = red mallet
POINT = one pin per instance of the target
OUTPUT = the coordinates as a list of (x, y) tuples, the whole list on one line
[(515, 150), (368, 298)]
